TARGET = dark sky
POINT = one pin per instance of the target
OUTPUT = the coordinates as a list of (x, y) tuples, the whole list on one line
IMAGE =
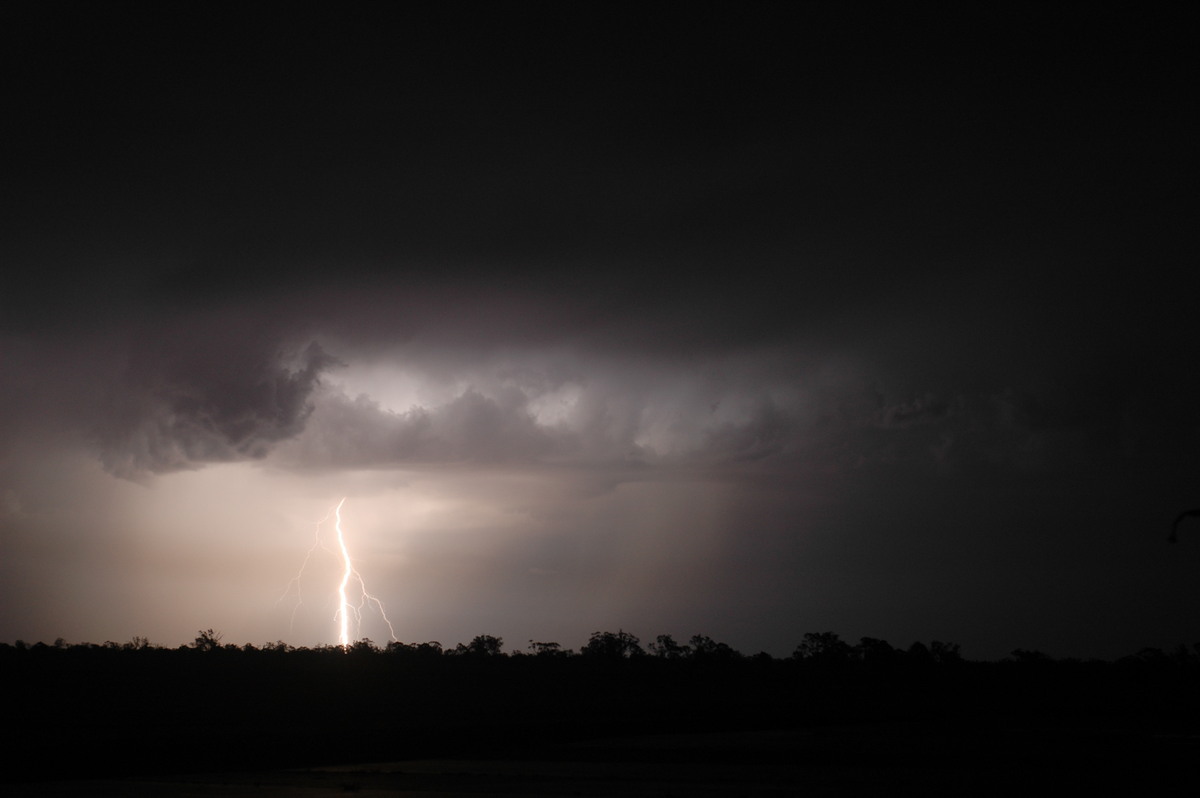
[(740, 321)]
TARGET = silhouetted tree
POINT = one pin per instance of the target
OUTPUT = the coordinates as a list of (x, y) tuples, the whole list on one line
[(1182, 655), (875, 652), (705, 648), (823, 647), (431, 648), (207, 640), (944, 653), (1174, 537), (664, 646), (919, 654), (608, 645), (1027, 657), (481, 646), (364, 646), (547, 649), (423, 650)]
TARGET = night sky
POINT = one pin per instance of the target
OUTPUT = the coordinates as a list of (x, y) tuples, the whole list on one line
[(741, 320)]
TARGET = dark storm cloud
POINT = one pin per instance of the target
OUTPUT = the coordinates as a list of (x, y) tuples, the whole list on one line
[(756, 414), (822, 280), (472, 428), (189, 401), (927, 409), (773, 147), (563, 408)]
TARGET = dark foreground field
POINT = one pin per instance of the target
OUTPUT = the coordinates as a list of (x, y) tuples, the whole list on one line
[(838, 760), (229, 722)]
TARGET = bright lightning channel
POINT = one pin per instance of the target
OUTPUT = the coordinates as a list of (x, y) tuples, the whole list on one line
[(346, 607)]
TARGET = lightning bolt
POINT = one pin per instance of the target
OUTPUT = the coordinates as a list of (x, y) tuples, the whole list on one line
[(347, 608), (317, 544)]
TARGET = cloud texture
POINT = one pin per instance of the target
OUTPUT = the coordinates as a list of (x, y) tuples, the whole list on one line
[(745, 323)]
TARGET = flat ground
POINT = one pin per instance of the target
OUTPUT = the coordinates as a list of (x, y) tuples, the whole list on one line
[(833, 760)]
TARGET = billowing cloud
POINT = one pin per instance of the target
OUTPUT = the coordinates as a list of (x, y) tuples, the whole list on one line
[(754, 412), (839, 329), (358, 433), (196, 402)]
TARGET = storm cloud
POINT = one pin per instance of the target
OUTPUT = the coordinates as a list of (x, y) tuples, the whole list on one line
[(197, 402), (741, 323)]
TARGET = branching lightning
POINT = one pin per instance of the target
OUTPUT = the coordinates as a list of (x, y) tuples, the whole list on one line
[(347, 608)]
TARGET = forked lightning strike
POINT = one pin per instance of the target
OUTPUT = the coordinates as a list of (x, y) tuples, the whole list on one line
[(346, 608)]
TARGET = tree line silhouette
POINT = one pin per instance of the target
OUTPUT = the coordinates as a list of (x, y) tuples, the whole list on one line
[(136, 707), (826, 649)]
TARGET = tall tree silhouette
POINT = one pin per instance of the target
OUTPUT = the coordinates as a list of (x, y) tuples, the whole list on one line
[(1174, 538)]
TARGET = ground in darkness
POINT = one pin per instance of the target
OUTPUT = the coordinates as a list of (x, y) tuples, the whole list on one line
[(940, 759)]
